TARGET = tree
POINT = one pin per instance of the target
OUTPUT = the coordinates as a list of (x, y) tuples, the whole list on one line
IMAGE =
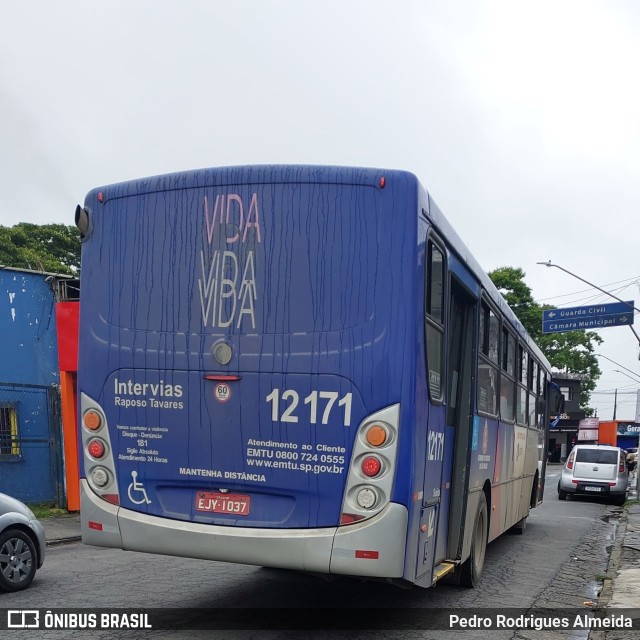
[(570, 352), (48, 247)]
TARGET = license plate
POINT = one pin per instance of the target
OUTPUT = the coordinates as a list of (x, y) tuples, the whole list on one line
[(596, 489), (229, 503)]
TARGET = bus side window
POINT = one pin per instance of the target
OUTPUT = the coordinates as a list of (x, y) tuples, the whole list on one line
[(507, 382), (533, 391), (488, 354), (542, 400), (522, 389), (434, 320)]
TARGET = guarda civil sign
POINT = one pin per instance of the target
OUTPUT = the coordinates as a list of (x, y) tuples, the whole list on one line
[(594, 316)]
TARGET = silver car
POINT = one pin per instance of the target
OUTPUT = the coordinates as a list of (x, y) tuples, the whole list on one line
[(22, 544), (595, 470)]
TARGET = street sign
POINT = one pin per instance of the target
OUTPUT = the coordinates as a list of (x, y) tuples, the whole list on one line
[(595, 316), (593, 322), (590, 311)]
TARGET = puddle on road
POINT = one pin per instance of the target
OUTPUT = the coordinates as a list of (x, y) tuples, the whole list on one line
[(612, 519)]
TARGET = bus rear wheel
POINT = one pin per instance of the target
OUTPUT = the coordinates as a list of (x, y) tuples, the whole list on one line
[(471, 570)]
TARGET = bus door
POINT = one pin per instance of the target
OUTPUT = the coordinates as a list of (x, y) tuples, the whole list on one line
[(459, 413), (434, 452)]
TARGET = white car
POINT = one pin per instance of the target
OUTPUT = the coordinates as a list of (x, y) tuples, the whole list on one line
[(22, 544), (595, 470)]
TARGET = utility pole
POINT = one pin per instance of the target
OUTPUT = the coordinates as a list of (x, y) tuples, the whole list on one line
[(615, 404)]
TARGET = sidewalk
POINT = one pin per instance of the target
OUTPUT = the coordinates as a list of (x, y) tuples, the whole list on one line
[(62, 529), (622, 591)]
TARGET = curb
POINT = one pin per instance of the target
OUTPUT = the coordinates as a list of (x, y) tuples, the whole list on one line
[(612, 570), (56, 542)]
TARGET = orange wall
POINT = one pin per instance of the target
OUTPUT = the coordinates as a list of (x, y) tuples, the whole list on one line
[(68, 386), (608, 432), (67, 326)]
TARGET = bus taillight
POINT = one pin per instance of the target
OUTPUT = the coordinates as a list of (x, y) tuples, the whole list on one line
[(92, 420), (371, 466), (100, 476), (96, 448), (99, 467), (367, 498), (376, 435)]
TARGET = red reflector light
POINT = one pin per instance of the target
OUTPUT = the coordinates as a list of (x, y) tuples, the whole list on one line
[(221, 378), (612, 484), (383, 182), (371, 466), (367, 555), (100, 197), (95, 525), (113, 498), (96, 448), (350, 518)]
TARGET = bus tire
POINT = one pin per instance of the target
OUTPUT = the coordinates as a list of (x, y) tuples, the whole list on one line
[(471, 569)]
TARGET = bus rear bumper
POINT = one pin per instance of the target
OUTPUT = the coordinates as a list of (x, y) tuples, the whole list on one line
[(373, 548)]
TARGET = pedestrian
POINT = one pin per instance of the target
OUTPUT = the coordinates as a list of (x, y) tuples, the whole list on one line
[(631, 461)]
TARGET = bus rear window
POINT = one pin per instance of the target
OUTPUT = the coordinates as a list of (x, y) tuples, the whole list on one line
[(248, 259)]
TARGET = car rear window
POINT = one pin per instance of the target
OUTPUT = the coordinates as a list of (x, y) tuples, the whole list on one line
[(597, 456)]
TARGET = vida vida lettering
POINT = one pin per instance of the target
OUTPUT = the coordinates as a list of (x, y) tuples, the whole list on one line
[(227, 283)]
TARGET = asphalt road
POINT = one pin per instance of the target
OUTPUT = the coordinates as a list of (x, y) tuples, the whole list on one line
[(554, 564)]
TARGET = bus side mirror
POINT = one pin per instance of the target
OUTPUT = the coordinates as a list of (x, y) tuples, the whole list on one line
[(82, 220)]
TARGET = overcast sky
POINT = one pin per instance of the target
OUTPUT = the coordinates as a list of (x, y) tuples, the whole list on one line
[(520, 118)]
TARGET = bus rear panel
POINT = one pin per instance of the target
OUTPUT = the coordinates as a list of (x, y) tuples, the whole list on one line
[(246, 366)]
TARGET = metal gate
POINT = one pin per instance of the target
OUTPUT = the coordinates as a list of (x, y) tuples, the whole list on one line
[(30, 443)]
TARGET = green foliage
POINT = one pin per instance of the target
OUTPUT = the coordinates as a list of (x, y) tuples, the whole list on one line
[(570, 352), (47, 247)]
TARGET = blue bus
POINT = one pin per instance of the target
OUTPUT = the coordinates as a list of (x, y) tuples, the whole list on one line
[(300, 367)]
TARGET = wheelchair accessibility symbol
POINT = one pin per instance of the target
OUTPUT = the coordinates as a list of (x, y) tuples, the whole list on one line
[(137, 488)]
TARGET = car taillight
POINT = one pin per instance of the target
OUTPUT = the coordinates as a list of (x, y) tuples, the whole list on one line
[(621, 465), (570, 460)]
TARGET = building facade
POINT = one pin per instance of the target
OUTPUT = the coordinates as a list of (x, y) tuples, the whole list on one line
[(30, 433), (564, 430)]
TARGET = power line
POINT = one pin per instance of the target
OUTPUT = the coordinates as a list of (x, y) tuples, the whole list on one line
[(611, 393), (630, 281)]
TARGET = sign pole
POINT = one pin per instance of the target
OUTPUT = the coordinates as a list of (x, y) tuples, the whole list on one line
[(595, 286)]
